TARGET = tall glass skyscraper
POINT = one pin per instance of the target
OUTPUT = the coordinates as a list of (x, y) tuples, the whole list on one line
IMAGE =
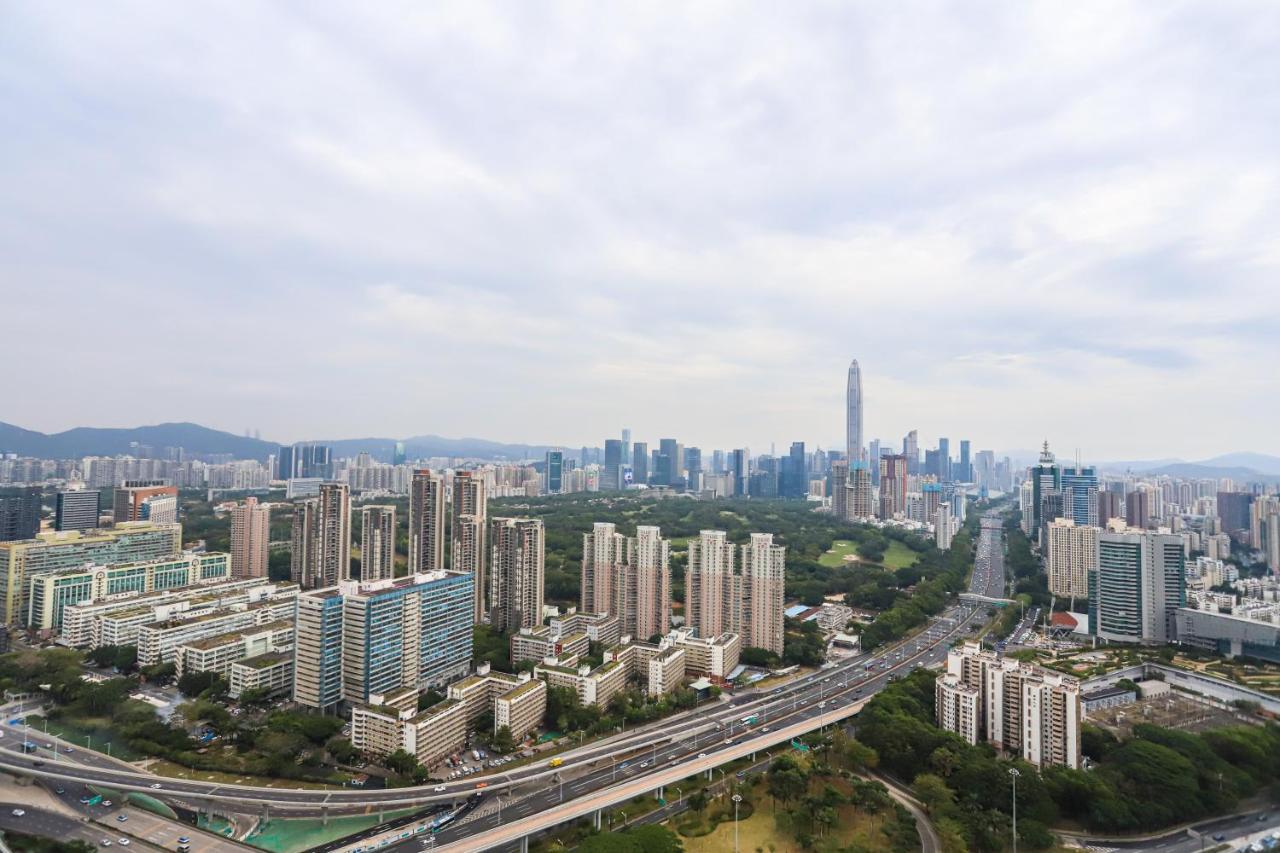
[(853, 416)]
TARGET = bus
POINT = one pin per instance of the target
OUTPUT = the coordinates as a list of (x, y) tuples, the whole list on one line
[(750, 721)]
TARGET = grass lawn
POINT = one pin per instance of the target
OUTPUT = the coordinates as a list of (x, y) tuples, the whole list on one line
[(899, 556), (835, 557), (75, 731), (760, 832), (162, 767)]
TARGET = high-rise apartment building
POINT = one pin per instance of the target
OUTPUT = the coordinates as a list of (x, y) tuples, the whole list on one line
[(322, 538), (467, 542), (1021, 709), (854, 449), (377, 542), (426, 522), (516, 573), (628, 577), (1137, 509), (748, 602), (840, 489), (1109, 507), (1138, 585), (1233, 509), (762, 593), (20, 513), (1071, 554), (861, 497), (893, 485), (130, 542), (603, 552), (553, 473), (146, 500), (250, 538), (76, 510), (945, 527)]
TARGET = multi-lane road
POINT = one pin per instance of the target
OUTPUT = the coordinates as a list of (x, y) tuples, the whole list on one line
[(593, 776)]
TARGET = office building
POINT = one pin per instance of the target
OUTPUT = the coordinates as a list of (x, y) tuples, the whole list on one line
[(1137, 509), (250, 539), (640, 463), (426, 522), (1018, 708), (20, 513), (76, 510), (964, 471), (130, 542), (1233, 510), (611, 476), (146, 500), (911, 450), (693, 468), (358, 639), (1071, 554), (377, 542), (159, 641), (893, 486), (321, 538), (1080, 495), (516, 573), (1109, 507), (1046, 480), (50, 593), (854, 448), (668, 470), (217, 653), (553, 472), (1137, 586)]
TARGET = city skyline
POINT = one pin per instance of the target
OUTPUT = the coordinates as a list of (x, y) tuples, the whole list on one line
[(1063, 238)]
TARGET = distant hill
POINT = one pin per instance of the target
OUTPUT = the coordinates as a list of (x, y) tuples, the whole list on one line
[(199, 440), (1256, 461), (92, 441)]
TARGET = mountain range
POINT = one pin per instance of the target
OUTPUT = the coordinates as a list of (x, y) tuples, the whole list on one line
[(198, 440)]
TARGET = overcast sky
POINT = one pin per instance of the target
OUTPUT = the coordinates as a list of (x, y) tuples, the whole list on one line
[(543, 222)]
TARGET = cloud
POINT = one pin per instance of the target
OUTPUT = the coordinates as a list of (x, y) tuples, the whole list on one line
[(546, 223)]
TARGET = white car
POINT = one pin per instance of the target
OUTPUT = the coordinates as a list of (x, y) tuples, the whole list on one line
[(18, 812), (155, 786), (438, 788), (123, 842)]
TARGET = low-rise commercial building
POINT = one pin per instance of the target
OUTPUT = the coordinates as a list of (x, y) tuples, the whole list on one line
[(219, 652), (159, 642)]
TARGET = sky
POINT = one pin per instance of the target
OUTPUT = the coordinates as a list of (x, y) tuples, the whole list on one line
[(542, 222)]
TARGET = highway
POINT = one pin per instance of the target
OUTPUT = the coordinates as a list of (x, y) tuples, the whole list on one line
[(593, 776)]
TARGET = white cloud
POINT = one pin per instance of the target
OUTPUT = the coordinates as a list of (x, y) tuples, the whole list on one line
[(541, 223)]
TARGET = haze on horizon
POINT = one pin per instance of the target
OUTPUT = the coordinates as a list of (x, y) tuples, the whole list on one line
[(545, 223)]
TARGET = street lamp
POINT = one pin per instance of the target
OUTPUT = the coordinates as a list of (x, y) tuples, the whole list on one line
[(737, 798), (1014, 774)]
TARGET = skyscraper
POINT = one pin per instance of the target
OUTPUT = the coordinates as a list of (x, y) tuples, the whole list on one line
[(1080, 494), (1137, 509), (603, 550), (77, 510), (739, 467), (377, 542), (250, 538), (965, 474), (646, 586), (640, 462), (748, 602), (626, 444), (840, 489), (854, 450), (668, 473), (709, 581), (20, 513), (611, 477), (944, 459), (322, 538), (553, 476), (426, 522), (911, 450), (1046, 485), (1071, 554), (516, 573), (693, 468)]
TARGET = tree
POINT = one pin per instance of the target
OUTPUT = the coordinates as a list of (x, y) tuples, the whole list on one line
[(400, 762), (933, 792), (698, 801), (786, 781), (636, 839), (502, 740), (195, 683)]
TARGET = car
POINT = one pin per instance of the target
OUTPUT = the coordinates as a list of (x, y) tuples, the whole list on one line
[(741, 774), (1219, 837), (37, 764), (106, 804), (765, 729), (643, 764), (480, 785), (84, 801), (184, 840), (106, 842), (671, 757), (438, 788), (122, 818), (18, 812), (728, 741), (59, 790), (702, 755), (48, 746), (123, 842)]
